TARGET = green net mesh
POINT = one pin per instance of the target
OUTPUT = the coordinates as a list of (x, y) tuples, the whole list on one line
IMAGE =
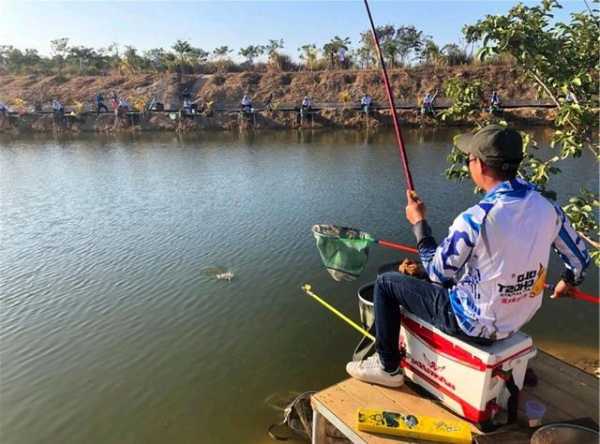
[(344, 251)]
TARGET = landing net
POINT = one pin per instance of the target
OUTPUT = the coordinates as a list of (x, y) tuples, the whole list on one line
[(344, 251)]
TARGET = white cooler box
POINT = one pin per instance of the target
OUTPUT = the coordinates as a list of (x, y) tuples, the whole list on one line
[(468, 379)]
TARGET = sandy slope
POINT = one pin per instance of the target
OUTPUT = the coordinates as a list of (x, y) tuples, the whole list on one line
[(286, 87)]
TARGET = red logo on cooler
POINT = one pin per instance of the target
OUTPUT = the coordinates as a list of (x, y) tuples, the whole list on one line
[(431, 369)]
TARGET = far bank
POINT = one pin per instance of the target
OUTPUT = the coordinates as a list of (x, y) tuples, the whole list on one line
[(276, 98)]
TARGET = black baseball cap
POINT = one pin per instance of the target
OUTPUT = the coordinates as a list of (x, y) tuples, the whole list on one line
[(495, 145)]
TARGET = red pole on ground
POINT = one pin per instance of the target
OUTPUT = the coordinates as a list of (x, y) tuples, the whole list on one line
[(409, 182)]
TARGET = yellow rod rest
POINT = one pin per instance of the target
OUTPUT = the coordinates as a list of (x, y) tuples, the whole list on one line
[(308, 290)]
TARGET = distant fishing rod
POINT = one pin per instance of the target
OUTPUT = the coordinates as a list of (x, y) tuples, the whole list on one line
[(400, 141)]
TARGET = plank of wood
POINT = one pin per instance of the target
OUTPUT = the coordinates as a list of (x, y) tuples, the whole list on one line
[(566, 391), (344, 399), (403, 399), (341, 409), (565, 377)]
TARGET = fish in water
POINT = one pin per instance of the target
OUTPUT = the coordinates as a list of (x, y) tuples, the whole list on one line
[(227, 276)]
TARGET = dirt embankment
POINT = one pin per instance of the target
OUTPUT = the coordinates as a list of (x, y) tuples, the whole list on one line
[(285, 89), (288, 87)]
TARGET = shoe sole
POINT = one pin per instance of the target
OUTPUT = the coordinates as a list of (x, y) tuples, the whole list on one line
[(391, 384)]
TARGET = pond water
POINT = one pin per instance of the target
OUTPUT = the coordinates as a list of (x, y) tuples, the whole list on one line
[(114, 327)]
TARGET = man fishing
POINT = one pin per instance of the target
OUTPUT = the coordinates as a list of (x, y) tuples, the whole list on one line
[(427, 108), (58, 112), (366, 102), (494, 102), (246, 104), (306, 106), (100, 104), (122, 107), (486, 278)]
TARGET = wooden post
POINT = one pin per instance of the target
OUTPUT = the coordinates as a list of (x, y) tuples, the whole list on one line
[(319, 425)]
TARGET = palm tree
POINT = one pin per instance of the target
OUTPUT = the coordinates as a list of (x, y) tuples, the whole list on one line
[(182, 49), (220, 55)]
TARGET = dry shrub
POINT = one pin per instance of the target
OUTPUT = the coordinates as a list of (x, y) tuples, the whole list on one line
[(218, 79), (285, 79), (349, 79), (345, 97)]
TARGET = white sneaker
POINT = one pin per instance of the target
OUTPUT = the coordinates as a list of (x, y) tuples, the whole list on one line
[(371, 370)]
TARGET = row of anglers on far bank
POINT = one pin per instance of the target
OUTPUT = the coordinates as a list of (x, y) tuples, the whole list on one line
[(120, 106)]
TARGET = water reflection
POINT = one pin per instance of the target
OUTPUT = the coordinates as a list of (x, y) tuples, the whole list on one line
[(112, 330)]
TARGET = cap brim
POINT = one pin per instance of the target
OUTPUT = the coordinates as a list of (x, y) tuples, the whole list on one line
[(464, 142)]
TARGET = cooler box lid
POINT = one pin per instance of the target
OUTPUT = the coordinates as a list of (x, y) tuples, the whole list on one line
[(519, 344)]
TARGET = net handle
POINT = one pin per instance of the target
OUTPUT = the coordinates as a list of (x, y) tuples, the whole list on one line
[(396, 246), (399, 140)]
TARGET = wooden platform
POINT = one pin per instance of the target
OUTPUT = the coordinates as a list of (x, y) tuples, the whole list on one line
[(567, 392)]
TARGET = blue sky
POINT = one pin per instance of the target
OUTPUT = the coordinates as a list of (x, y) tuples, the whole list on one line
[(208, 24)]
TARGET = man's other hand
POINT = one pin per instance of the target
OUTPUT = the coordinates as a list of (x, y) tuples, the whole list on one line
[(415, 208), (562, 289)]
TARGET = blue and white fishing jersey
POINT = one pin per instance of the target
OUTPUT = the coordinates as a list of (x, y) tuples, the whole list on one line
[(495, 258)]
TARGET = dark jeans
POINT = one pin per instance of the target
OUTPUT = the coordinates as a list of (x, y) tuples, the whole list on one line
[(429, 302), (59, 116), (101, 106)]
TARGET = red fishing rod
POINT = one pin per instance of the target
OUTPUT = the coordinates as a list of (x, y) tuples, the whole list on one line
[(575, 292), (409, 182)]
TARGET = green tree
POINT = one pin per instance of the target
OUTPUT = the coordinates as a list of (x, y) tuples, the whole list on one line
[(367, 54), (221, 52), (272, 49), (114, 56), (131, 62), (409, 41), (431, 53), (391, 50), (309, 55), (198, 55), (183, 51), (158, 60), (332, 47), (86, 60), (251, 52), (455, 55), (59, 48), (221, 56), (562, 60), (15, 61)]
